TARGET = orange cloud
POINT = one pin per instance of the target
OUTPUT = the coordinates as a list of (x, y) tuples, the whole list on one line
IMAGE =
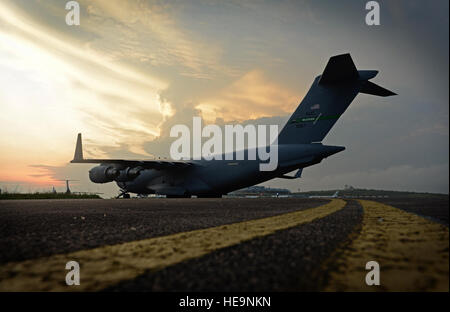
[(250, 97)]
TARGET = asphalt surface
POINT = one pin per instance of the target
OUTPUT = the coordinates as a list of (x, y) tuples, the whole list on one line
[(435, 208), (35, 228), (300, 257), (289, 260)]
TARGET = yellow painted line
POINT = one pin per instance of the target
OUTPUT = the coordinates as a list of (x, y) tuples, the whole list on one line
[(105, 266), (413, 253)]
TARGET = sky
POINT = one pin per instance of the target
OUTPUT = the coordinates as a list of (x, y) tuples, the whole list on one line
[(132, 69)]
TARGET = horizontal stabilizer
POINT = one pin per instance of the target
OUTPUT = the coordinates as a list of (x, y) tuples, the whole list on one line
[(374, 89), (340, 68)]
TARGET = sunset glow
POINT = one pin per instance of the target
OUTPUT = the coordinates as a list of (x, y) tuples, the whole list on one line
[(131, 69)]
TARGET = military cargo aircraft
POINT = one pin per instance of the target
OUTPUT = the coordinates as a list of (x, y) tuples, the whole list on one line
[(299, 145)]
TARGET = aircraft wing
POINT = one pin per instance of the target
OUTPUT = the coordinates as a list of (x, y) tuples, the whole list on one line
[(158, 164)]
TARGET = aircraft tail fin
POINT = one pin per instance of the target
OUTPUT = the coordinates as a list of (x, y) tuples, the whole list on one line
[(327, 99), (340, 68)]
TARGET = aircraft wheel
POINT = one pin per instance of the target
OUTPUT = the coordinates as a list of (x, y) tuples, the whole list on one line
[(126, 195)]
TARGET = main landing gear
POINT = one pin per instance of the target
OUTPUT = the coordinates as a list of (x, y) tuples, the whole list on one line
[(123, 194)]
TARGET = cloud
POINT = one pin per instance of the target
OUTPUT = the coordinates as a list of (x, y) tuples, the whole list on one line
[(135, 68), (39, 175), (58, 88), (160, 146), (252, 96), (149, 32)]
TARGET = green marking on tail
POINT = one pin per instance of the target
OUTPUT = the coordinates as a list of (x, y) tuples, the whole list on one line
[(312, 119)]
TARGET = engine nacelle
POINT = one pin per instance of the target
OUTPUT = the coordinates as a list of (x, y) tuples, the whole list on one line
[(128, 174), (103, 174)]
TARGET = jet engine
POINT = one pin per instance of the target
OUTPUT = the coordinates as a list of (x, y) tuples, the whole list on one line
[(128, 174), (103, 174)]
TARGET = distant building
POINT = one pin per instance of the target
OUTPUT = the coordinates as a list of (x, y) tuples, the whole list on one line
[(260, 190)]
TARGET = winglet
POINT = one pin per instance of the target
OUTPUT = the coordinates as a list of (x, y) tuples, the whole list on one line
[(78, 149)]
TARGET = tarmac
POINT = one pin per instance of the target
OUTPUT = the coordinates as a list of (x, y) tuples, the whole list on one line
[(229, 244)]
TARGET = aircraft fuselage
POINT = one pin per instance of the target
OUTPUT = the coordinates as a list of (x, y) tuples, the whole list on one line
[(217, 177)]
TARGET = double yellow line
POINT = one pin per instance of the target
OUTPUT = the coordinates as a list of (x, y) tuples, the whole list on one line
[(105, 266), (412, 253)]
